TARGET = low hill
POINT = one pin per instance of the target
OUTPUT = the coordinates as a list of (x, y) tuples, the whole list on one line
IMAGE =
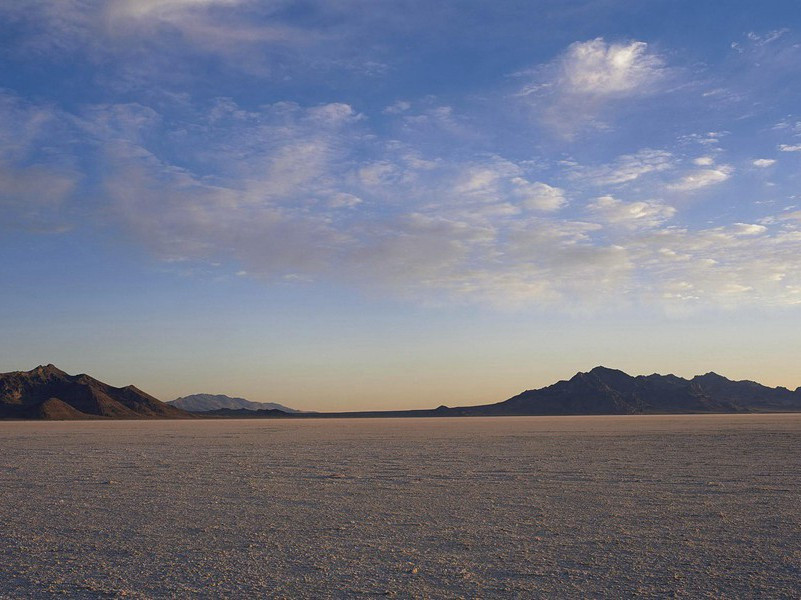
[(47, 392), (213, 402)]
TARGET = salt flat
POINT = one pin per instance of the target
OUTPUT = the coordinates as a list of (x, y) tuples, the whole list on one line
[(670, 506)]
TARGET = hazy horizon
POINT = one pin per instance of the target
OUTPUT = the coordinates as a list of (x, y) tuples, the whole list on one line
[(351, 205)]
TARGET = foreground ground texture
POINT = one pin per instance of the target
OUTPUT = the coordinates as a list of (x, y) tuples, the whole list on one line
[(678, 506)]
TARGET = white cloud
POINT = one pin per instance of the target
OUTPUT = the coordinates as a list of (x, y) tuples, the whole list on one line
[(307, 193), (702, 178), (704, 161), (35, 186), (344, 200), (502, 184), (161, 8), (631, 214), (595, 68), (723, 266), (748, 229), (763, 163), (766, 38), (627, 168), (570, 92), (788, 124), (153, 41), (397, 108), (538, 196), (790, 148)]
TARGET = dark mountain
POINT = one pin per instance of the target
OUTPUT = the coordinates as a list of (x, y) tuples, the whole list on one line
[(604, 391), (209, 402), (49, 393)]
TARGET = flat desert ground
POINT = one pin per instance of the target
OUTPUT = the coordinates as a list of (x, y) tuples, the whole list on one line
[(569, 507)]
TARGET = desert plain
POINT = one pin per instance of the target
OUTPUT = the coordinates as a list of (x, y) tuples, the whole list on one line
[(520, 507)]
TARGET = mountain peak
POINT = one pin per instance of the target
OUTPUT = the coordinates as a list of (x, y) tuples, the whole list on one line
[(47, 392), (601, 370), (711, 376), (48, 369), (604, 374), (210, 402)]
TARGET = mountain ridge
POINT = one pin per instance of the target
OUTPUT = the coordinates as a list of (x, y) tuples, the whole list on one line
[(605, 391), (201, 403), (47, 392)]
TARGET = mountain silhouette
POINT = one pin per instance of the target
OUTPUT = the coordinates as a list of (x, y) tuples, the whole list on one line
[(47, 392), (208, 402), (603, 391)]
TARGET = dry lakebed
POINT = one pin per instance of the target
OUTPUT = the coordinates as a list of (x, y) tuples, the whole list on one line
[(572, 507)]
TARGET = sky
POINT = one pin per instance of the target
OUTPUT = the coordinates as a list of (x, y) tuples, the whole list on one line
[(400, 203)]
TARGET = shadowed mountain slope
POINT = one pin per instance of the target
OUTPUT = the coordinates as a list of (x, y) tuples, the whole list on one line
[(207, 402), (47, 392)]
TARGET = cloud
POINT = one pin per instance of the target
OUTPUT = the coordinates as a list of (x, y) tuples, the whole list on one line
[(763, 163), (748, 229), (766, 38), (788, 124), (285, 193), (501, 184), (631, 214), (573, 90), (538, 196), (790, 148), (398, 107), (595, 68), (627, 168), (701, 178), (343, 200), (723, 266), (37, 171), (162, 8), (134, 44)]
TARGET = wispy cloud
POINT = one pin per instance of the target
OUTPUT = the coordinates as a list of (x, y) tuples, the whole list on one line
[(157, 41), (309, 194), (572, 92), (36, 176), (701, 178), (631, 214), (627, 168)]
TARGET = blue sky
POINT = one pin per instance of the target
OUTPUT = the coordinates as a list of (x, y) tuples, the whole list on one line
[(388, 204)]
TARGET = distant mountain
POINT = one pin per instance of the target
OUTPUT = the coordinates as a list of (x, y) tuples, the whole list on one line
[(47, 392), (209, 402), (604, 391)]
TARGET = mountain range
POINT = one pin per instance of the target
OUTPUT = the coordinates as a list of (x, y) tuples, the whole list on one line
[(610, 391), (46, 392), (206, 402), (604, 391)]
